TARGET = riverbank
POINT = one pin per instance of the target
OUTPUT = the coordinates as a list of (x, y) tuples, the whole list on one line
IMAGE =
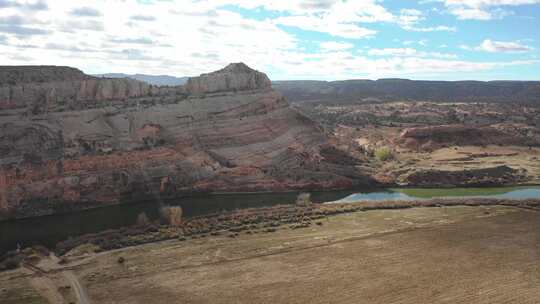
[(474, 251), (259, 220), (253, 220), (58, 227)]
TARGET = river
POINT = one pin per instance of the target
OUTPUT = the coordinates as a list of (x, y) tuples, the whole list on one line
[(48, 230)]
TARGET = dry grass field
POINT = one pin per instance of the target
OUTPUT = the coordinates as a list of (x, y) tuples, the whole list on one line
[(418, 255)]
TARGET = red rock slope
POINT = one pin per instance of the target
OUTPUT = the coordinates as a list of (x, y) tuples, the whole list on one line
[(64, 145)]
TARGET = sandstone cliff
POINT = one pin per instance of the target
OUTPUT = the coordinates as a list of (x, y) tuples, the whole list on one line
[(40, 89), (234, 77), (224, 131)]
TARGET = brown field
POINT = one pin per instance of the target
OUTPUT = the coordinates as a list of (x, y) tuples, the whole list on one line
[(461, 254)]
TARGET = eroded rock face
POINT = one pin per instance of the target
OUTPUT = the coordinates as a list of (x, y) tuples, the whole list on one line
[(239, 136), (42, 89), (435, 137), (234, 77), (494, 176)]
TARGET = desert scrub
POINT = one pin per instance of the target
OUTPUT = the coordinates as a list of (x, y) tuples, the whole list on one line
[(142, 220), (384, 154), (171, 215), (303, 199)]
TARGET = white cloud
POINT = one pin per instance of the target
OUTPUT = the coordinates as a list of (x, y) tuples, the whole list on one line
[(503, 47), (409, 52), (393, 52), (440, 28), (338, 29), (410, 18), (492, 46), (335, 46), (422, 42), (341, 18), (186, 39), (337, 18), (191, 37), (483, 9), (346, 66)]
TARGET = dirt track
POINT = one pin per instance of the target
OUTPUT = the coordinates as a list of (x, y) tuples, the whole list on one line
[(80, 293)]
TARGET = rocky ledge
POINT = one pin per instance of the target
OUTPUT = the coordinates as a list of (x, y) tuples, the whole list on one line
[(434, 137), (494, 176), (127, 144)]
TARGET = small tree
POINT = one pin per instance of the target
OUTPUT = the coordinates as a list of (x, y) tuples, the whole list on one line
[(383, 154), (142, 219), (172, 215), (303, 199)]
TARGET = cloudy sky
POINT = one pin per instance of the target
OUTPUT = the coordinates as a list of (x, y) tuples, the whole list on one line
[(287, 39)]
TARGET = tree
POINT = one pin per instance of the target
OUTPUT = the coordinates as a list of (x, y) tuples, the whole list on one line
[(142, 219), (172, 215)]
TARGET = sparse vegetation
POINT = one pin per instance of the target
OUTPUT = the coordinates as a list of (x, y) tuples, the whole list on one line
[(303, 199), (11, 262), (172, 215), (384, 154), (142, 220)]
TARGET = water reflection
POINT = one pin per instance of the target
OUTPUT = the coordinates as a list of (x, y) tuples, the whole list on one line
[(48, 230), (421, 194)]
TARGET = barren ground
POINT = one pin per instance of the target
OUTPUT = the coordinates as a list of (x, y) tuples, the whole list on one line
[(419, 255)]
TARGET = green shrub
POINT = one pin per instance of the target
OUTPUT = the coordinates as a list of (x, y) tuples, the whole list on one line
[(384, 154)]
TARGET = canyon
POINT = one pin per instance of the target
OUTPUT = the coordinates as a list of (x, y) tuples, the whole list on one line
[(434, 144), (70, 141)]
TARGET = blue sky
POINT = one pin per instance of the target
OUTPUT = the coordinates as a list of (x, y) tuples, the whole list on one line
[(303, 39)]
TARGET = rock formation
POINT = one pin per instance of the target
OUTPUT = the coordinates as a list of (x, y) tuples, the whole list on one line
[(494, 176), (234, 77), (434, 137), (123, 140), (40, 89)]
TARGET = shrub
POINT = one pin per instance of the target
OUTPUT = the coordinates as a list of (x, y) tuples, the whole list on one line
[(142, 220), (303, 199), (383, 154), (172, 215), (10, 263)]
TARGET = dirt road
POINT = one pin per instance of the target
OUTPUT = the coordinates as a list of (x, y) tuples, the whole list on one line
[(82, 298)]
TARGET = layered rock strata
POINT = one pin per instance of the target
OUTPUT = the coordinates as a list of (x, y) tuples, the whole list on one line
[(225, 131)]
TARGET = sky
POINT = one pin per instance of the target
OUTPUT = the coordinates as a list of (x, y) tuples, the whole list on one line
[(287, 39)]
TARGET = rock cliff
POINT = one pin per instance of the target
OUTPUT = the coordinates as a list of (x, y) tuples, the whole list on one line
[(40, 89), (234, 77), (124, 140)]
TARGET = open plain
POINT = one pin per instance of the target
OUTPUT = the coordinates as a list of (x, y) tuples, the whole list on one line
[(458, 254)]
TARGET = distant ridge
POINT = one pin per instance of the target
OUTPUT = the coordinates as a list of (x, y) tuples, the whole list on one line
[(409, 90), (389, 89), (159, 80)]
